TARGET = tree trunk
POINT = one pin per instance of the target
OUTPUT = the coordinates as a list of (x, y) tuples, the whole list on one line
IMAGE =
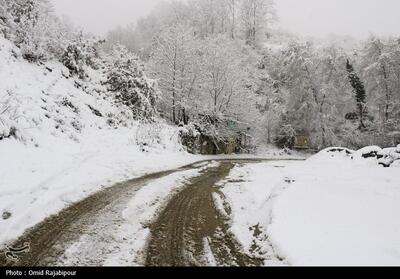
[(388, 94), (173, 90)]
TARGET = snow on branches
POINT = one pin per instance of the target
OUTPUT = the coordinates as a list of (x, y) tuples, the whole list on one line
[(127, 80)]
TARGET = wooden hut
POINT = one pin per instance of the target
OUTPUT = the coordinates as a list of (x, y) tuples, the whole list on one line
[(302, 141)]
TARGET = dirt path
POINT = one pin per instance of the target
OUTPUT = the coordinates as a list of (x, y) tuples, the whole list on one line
[(50, 239), (191, 231)]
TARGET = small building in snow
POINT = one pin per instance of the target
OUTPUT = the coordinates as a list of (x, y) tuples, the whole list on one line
[(302, 141)]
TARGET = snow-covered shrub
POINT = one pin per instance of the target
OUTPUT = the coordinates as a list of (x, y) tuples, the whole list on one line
[(33, 27), (285, 137), (80, 54), (190, 137), (126, 78), (8, 116), (157, 136), (148, 135), (67, 103), (29, 24)]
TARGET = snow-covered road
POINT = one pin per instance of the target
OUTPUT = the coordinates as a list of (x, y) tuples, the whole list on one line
[(335, 208), (128, 223), (98, 230)]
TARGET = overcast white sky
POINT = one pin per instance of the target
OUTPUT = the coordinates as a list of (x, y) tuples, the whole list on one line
[(308, 17)]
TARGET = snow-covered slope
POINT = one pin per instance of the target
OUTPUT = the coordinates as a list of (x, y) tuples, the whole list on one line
[(62, 139)]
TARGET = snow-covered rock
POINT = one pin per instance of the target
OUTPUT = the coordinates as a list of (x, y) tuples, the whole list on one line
[(369, 152), (373, 155), (396, 164), (388, 156), (333, 153)]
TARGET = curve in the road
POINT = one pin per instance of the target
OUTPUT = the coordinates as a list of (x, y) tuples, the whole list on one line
[(189, 231), (192, 232)]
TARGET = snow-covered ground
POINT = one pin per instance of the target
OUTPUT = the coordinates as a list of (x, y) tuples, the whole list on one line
[(336, 208), (62, 139)]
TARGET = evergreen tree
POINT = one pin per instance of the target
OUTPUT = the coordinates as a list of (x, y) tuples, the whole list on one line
[(359, 90)]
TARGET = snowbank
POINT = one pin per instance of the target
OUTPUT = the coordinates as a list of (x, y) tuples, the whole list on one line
[(336, 208), (339, 212), (249, 192), (367, 155)]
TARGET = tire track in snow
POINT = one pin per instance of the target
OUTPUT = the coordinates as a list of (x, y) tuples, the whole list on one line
[(192, 232), (50, 239)]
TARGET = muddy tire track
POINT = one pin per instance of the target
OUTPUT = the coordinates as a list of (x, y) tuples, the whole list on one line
[(190, 231), (50, 238), (190, 227)]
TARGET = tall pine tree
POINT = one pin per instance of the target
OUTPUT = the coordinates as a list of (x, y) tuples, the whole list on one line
[(359, 90)]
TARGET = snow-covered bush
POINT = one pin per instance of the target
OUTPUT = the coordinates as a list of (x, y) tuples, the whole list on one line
[(33, 27), (8, 116), (80, 54), (190, 137), (126, 78), (148, 135), (285, 137), (29, 22)]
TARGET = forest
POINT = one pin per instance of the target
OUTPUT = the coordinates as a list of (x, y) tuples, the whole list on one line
[(224, 70)]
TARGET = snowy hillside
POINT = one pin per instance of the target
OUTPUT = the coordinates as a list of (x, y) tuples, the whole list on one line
[(62, 139)]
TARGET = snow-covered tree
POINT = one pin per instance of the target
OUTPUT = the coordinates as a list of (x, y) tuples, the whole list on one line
[(164, 15), (30, 22), (173, 63), (125, 36), (306, 84), (221, 74), (127, 80), (360, 93), (233, 16), (270, 97), (255, 16), (4, 17), (34, 28), (381, 71)]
